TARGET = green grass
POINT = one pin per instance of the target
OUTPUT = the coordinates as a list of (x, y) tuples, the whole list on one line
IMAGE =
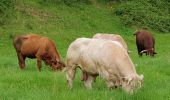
[(64, 24)]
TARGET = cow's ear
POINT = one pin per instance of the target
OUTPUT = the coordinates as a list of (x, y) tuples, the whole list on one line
[(124, 79)]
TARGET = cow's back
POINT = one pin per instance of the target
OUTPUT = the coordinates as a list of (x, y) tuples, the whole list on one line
[(144, 39), (97, 55), (18, 41), (31, 45), (109, 56), (113, 37), (75, 49)]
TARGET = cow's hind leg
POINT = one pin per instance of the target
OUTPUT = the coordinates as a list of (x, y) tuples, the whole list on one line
[(21, 59), (88, 81), (70, 74), (84, 76)]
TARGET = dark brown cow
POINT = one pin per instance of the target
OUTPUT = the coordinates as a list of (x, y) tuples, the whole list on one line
[(145, 43), (41, 48)]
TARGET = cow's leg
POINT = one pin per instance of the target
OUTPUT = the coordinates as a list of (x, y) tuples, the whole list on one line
[(88, 82), (110, 84), (70, 74), (84, 76), (140, 54), (39, 56), (39, 64), (106, 76), (21, 59), (95, 76), (39, 59), (139, 50)]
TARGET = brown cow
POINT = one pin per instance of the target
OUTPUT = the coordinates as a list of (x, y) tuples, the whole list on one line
[(35, 46), (145, 43)]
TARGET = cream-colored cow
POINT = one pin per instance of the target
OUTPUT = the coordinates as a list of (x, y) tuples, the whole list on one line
[(105, 58), (113, 37), (106, 36)]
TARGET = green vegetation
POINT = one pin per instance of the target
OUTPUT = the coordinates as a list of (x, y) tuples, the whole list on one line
[(63, 24), (154, 14), (6, 11)]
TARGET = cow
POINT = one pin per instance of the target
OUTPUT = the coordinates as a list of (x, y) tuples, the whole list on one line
[(107, 59), (113, 37), (41, 48), (106, 36), (145, 43)]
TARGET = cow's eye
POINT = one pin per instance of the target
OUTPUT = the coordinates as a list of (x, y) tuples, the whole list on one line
[(54, 63)]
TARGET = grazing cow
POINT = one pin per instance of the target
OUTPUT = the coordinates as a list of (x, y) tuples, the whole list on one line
[(107, 59), (35, 46), (105, 36), (145, 43), (113, 37)]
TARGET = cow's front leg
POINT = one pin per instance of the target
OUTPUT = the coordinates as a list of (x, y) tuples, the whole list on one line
[(110, 84), (70, 74), (39, 59), (21, 59), (39, 65), (88, 82)]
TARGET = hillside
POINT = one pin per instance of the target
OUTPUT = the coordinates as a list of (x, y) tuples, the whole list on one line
[(63, 24)]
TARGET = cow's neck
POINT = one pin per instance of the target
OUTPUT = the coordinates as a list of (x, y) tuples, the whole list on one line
[(56, 55), (129, 69)]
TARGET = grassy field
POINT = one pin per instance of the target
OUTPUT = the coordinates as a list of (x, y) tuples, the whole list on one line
[(64, 24)]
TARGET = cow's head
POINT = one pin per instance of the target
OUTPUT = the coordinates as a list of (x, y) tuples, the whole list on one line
[(132, 83), (150, 52), (57, 64)]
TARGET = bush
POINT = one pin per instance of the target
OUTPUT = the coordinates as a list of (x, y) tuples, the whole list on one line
[(110, 0), (67, 2), (154, 14), (6, 10)]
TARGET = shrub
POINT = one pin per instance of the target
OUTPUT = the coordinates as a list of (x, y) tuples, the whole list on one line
[(6, 10), (152, 14), (67, 2)]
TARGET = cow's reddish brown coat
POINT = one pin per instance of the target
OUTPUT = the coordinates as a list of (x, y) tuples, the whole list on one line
[(41, 48), (145, 43)]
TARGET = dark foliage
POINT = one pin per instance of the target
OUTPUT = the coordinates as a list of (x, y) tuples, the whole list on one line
[(6, 10), (154, 14), (67, 2)]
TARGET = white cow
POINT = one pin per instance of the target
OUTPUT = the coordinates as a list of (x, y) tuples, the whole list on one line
[(113, 37), (106, 36), (105, 58)]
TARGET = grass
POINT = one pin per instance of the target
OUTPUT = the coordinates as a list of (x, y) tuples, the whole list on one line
[(64, 24)]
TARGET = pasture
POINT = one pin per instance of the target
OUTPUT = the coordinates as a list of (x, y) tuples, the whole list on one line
[(63, 25)]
